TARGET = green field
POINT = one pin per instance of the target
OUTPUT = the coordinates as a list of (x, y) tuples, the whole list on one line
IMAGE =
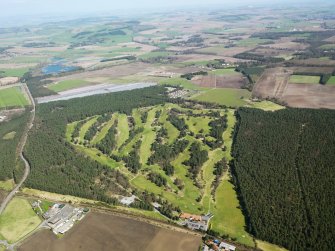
[(224, 96), (331, 81), (181, 82), (18, 220), (227, 71), (12, 97), (68, 85), (303, 79), (154, 54), (13, 72), (252, 42)]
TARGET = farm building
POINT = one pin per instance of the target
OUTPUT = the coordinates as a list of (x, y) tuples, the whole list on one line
[(196, 222), (227, 247)]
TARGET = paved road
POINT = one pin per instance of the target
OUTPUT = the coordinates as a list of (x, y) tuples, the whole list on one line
[(20, 151)]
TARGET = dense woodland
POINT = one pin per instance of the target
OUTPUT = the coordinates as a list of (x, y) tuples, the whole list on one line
[(72, 173), (284, 170), (8, 146)]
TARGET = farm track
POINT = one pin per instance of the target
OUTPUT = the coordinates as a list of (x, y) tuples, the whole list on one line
[(20, 148)]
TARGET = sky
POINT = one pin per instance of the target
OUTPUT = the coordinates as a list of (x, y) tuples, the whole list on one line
[(19, 7), (18, 10)]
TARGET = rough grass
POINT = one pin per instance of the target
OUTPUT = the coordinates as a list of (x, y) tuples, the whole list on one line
[(224, 96), (265, 246), (9, 136), (12, 97), (68, 85), (331, 81), (303, 79), (18, 220), (7, 185), (266, 106)]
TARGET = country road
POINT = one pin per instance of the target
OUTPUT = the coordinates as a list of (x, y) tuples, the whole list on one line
[(21, 145)]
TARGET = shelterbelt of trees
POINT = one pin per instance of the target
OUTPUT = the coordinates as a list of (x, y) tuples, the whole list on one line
[(284, 169), (57, 167), (10, 135)]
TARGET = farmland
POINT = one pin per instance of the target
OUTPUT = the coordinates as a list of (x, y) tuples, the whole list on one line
[(12, 97), (224, 96), (300, 79), (171, 146), (18, 220), (67, 85), (116, 233)]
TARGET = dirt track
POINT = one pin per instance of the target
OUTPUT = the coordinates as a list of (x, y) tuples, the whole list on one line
[(101, 232), (2, 195)]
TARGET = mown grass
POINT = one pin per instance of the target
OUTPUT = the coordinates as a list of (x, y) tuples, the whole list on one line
[(18, 220), (303, 79), (104, 130), (68, 85), (123, 129), (13, 97), (224, 96), (86, 126)]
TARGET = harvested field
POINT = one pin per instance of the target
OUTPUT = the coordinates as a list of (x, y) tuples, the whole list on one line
[(221, 81), (310, 96), (112, 72), (274, 84), (311, 69), (8, 80), (107, 232)]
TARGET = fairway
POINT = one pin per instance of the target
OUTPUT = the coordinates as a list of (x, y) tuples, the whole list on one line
[(18, 220), (303, 79), (224, 96), (68, 85), (12, 97)]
